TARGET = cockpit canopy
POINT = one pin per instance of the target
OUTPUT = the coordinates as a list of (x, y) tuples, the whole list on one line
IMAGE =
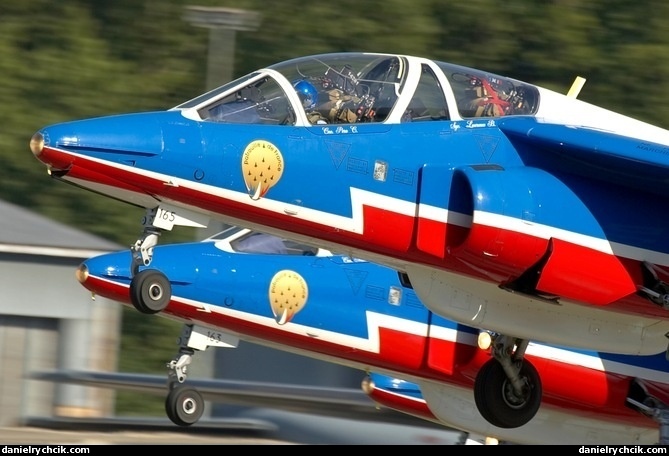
[(359, 87)]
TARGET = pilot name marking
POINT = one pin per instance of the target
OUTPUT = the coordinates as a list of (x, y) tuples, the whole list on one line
[(339, 130), (474, 124)]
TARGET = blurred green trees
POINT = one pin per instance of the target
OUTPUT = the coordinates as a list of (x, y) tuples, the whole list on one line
[(81, 58)]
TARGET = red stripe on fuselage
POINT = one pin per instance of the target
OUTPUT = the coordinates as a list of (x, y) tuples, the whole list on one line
[(86, 174), (387, 228)]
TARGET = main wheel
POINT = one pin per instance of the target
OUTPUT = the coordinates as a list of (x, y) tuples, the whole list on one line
[(184, 405), (497, 401), (150, 291)]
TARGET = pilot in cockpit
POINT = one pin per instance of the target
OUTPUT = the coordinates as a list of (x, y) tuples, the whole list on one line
[(333, 104), (491, 98), (328, 106), (309, 97)]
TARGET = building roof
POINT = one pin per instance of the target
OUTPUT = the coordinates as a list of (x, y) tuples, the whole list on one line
[(26, 232)]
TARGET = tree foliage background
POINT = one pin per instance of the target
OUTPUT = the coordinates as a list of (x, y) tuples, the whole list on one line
[(72, 59)]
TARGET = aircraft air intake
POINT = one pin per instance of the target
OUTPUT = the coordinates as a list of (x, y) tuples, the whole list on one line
[(512, 240)]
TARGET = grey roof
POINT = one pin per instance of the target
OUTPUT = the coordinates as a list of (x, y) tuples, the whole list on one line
[(23, 231)]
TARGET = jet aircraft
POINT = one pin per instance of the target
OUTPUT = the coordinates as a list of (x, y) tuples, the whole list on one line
[(507, 206), (366, 316)]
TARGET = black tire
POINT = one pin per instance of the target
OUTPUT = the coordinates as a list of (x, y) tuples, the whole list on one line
[(495, 400), (170, 409), (150, 291), (184, 406)]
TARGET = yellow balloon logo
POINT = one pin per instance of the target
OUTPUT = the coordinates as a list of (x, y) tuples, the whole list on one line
[(262, 165), (288, 293)]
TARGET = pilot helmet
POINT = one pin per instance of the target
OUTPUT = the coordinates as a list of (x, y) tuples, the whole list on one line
[(307, 93), (507, 93), (505, 90)]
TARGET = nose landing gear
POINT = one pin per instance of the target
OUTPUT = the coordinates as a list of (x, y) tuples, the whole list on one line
[(184, 405)]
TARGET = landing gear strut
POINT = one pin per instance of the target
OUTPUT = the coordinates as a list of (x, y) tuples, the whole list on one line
[(655, 409), (656, 289), (142, 249), (507, 389), (184, 405), (155, 221)]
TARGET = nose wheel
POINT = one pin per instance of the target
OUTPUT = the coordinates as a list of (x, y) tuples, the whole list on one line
[(184, 406), (150, 291)]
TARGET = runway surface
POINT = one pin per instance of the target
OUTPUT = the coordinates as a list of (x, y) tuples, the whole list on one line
[(258, 427), (41, 436)]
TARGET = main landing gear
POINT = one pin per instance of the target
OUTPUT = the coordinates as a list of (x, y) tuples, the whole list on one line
[(507, 389), (655, 289), (642, 399), (659, 413)]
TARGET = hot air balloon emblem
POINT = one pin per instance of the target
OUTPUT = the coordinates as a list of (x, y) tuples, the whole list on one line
[(288, 293), (262, 166)]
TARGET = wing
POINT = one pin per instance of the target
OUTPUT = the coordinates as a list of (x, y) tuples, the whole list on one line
[(328, 401), (595, 154)]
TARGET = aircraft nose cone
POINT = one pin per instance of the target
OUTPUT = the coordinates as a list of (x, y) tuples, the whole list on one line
[(116, 138), (42, 146), (98, 272), (37, 144), (116, 264), (81, 273)]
